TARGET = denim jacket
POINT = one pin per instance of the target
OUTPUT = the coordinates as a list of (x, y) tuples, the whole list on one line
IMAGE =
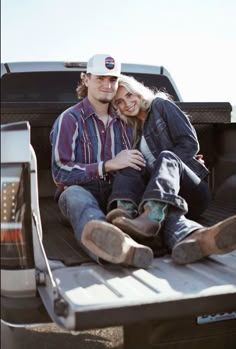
[(168, 128)]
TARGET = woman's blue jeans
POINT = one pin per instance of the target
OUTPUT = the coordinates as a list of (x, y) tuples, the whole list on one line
[(172, 182)]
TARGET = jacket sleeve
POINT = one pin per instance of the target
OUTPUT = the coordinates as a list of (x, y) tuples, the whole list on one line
[(181, 132)]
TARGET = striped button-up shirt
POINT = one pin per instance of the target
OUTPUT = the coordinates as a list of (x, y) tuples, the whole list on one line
[(81, 143)]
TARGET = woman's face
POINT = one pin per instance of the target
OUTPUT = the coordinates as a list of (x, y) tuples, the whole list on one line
[(129, 104)]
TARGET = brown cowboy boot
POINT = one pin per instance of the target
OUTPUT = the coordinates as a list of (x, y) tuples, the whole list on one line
[(124, 208), (218, 239), (111, 244), (147, 225)]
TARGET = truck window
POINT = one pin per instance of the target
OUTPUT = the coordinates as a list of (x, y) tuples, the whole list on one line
[(61, 86)]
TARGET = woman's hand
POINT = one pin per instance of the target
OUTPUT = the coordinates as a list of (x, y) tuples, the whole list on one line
[(199, 157)]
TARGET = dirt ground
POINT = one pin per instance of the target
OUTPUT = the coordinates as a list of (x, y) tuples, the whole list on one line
[(53, 337)]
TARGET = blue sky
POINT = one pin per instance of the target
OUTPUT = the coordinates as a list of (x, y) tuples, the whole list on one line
[(194, 39)]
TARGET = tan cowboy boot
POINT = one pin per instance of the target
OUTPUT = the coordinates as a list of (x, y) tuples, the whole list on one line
[(111, 244), (147, 225), (218, 239)]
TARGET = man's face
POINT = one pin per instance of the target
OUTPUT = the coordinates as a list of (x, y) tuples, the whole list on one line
[(101, 88)]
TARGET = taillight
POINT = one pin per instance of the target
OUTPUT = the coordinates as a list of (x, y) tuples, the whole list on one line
[(16, 224)]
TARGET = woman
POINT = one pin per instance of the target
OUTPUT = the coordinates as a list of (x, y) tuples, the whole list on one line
[(159, 125), (173, 183)]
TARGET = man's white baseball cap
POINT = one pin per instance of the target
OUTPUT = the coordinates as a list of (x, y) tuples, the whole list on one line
[(103, 64)]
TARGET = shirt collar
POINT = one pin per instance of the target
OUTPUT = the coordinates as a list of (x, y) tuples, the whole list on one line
[(88, 111)]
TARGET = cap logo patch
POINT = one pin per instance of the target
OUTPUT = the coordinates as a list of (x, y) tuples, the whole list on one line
[(109, 63)]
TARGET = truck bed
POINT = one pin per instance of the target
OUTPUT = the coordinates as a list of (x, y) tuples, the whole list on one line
[(112, 293)]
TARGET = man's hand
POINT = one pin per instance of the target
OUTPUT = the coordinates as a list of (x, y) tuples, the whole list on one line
[(126, 158)]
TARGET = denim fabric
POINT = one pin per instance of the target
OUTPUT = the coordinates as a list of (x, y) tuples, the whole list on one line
[(170, 181), (167, 128), (81, 204), (177, 227), (128, 184), (175, 183)]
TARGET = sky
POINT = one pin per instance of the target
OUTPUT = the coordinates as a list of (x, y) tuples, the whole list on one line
[(194, 39)]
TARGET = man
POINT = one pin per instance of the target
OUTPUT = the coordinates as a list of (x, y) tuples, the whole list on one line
[(90, 142)]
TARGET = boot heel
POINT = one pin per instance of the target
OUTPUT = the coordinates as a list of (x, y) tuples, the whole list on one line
[(142, 257)]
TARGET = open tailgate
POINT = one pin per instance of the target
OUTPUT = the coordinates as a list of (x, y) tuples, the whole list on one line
[(93, 296)]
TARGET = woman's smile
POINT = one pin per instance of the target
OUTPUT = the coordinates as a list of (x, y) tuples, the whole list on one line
[(131, 108)]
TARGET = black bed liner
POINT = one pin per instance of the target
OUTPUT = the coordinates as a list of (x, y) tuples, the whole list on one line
[(58, 238)]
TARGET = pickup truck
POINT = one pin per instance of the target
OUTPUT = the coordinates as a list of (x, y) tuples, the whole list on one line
[(46, 277)]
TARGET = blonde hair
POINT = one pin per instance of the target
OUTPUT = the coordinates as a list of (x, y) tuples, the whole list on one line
[(146, 94)]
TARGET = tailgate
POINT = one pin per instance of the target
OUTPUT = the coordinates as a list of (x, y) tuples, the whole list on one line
[(93, 296)]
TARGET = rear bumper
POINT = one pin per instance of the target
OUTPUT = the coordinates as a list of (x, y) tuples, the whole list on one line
[(23, 311)]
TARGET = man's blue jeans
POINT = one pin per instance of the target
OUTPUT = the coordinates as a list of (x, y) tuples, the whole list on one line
[(80, 204), (169, 181)]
